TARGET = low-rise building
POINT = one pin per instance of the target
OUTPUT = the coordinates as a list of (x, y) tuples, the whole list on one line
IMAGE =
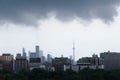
[(90, 61)]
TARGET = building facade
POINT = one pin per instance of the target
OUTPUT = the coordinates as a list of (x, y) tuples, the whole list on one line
[(6, 62), (21, 63), (59, 62), (35, 63), (93, 62), (111, 60)]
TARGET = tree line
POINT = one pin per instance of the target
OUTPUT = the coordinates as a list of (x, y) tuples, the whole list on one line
[(40, 74)]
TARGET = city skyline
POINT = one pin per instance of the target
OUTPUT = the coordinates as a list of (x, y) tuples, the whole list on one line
[(37, 60), (54, 24)]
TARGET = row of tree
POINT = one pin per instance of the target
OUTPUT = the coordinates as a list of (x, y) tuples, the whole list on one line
[(40, 74)]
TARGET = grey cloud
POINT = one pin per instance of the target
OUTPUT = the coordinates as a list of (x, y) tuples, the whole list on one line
[(29, 11)]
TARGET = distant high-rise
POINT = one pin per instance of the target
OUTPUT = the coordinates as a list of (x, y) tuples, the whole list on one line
[(36, 59), (49, 58), (35, 54), (37, 50), (24, 53)]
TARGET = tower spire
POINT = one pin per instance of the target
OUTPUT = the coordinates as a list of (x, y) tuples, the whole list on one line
[(73, 52)]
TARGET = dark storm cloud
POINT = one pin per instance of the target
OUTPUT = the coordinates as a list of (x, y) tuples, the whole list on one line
[(29, 11)]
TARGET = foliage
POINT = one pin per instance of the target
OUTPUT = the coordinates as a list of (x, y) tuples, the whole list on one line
[(40, 74)]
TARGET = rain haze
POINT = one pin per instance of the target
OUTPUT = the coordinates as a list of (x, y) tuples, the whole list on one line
[(94, 25)]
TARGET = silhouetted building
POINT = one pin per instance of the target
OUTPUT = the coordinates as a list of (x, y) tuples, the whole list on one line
[(6, 62), (59, 63), (93, 62), (111, 60), (21, 63)]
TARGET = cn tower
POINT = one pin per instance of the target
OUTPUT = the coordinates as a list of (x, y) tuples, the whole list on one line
[(73, 52)]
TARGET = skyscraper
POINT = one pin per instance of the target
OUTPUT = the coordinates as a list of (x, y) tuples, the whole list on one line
[(35, 58), (49, 58), (24, 53), (37, 50), (35, 54)]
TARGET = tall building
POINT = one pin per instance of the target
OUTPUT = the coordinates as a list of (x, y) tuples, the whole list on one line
[(111, 60), (35, 54), (36, 62), (49, 58), (24, 53), (6, 61), (21, 63), (36, 59), (37, 50)]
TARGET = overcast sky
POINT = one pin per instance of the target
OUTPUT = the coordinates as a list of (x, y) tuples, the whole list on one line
[(94, 25)]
